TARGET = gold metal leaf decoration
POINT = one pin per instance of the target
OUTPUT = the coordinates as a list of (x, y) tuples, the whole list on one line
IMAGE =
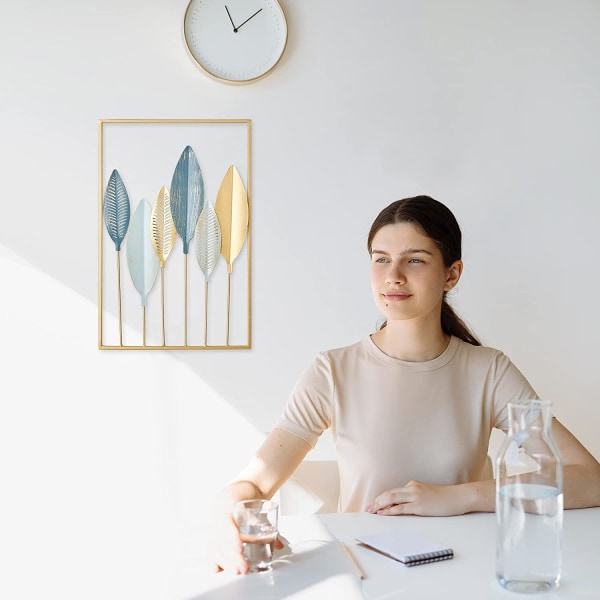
[(232, 211), (162, 226), (163, 234)]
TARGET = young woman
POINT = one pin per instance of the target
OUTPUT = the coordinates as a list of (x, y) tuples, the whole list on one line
[(412, 406)]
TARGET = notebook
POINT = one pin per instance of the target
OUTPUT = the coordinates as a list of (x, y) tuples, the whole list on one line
[(408, 547)]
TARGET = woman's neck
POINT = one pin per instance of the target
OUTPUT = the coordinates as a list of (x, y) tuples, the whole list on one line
[(408, 341)]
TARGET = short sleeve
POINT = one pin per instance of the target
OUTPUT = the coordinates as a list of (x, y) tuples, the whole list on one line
[(309, 408), (509, 385)]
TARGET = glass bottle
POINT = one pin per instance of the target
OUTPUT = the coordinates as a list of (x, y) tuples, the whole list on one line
[(529, 501)]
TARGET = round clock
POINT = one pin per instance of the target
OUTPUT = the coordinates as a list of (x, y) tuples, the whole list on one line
[(236, 41)]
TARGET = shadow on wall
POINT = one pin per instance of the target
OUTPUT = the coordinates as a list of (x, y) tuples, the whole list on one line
[(113, 456)]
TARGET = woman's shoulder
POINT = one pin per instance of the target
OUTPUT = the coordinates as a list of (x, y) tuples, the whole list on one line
[(487, 355), (344, 351), (326, 363), (351, 356), (482, 350)]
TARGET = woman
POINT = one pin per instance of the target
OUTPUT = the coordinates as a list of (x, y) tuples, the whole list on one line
[(412, 406)]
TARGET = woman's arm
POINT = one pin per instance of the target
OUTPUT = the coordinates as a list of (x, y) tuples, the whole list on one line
[(581, 472), (581, 476), (275, 461), (581, 486)]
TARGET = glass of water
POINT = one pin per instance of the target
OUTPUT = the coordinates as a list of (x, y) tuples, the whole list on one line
[(257, 521)]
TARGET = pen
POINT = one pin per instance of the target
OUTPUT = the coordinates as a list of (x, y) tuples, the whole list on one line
[(354, 562)]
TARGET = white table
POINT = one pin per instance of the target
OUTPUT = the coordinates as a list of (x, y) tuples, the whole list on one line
[(471, 573), (317, 568)]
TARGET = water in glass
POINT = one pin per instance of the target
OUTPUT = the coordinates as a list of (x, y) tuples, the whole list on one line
[(258, 546)]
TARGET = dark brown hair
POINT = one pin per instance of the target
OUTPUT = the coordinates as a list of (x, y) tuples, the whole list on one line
[(438, 223)]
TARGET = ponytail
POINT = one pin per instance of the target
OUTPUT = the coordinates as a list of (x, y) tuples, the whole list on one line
[(452, 324)]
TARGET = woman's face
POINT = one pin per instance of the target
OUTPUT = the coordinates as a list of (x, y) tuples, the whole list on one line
[(408, 275)]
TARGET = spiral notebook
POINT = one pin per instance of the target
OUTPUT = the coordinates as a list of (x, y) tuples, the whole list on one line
[(408, 547)]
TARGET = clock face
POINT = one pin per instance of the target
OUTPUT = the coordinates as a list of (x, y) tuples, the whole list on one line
[(235, 40)]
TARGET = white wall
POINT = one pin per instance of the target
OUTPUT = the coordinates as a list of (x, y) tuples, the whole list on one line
[(489, 106)]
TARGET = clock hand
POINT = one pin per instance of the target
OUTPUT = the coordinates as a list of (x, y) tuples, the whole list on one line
[(232, 23), (250, 17)]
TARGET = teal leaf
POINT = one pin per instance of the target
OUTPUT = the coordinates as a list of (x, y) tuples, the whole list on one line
[(208, 240), (187, 196), (116, 209), (141, 257)]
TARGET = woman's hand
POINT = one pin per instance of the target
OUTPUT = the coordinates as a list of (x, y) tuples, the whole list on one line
[(227, 547), (274, 462), (427, 499)]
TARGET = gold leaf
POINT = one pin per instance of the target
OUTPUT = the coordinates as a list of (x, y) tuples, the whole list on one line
[(232, 211), (162, 226)]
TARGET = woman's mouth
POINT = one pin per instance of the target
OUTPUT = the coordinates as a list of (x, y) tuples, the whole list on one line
[(396, 296)]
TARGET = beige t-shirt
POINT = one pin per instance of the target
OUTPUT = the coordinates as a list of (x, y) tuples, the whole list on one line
[(393, 421)]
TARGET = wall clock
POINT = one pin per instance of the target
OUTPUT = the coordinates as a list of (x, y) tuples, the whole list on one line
[(235, 41)]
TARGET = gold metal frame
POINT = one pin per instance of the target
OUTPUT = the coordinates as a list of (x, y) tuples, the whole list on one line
[(103, 171)]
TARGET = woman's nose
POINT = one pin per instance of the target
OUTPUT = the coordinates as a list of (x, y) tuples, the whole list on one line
[(395, 275)]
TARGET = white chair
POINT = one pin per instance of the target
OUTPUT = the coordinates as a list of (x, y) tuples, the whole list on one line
[(313, 488)]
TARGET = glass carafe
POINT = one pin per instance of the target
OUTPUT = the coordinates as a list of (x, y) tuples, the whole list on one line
[(529, 501)]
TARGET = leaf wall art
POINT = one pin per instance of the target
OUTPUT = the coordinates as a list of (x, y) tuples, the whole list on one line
[(187, 201), (168, 189), (232, 213), (141, 257), (116, 210)]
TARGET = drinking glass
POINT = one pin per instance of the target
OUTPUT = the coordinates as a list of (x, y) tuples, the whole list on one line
[(257, 523)]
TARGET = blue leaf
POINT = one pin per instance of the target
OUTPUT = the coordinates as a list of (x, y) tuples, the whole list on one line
[(187, 196), (141, 258), (116, 209)]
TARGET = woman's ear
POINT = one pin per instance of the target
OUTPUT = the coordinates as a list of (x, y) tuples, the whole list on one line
[(454, 273)]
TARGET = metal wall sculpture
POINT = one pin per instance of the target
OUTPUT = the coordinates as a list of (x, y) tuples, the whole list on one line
[(166, 185)]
